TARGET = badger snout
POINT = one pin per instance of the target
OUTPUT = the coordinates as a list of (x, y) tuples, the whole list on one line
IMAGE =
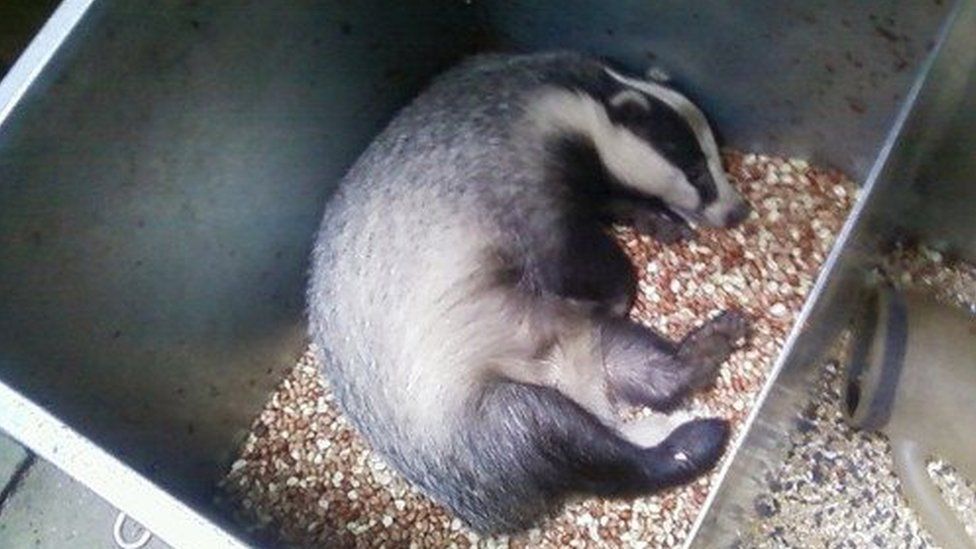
[(739, 213), (726, 214)]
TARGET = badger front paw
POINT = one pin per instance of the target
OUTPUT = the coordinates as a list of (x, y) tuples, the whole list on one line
[(706, 348), (650, 217), (662, 226)]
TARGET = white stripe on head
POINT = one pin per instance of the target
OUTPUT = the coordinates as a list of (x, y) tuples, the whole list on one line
[(681, 105), (727, 196), (629, 158)]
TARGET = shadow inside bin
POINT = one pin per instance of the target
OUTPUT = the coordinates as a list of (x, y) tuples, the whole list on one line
[(161, 185)]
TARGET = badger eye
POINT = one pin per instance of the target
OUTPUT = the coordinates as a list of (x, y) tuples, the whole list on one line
[(628, 113), (696, 173)]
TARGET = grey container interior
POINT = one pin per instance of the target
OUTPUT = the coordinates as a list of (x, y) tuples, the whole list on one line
[(161, 177)]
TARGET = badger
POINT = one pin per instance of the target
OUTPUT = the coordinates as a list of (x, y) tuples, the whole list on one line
[(469, 306)]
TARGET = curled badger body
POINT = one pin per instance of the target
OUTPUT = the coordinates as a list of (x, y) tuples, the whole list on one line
[(470, 306)]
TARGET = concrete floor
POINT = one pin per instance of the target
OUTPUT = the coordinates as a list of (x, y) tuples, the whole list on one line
[(41, 507)]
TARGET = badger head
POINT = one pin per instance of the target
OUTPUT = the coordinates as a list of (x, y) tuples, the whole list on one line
[(653, 142), (661, 144)]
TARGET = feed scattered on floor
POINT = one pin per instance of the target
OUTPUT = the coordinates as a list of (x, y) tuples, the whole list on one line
[(837, 487)]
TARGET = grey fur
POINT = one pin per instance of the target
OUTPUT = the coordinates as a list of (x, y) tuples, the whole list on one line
[(468, 306)]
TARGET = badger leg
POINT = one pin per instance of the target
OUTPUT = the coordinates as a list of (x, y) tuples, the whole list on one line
[(645, 369), (539, 432), (590, 267), (642, 367), (544, 426)]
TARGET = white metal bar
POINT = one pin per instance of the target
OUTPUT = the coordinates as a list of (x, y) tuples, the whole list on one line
[(121, 486), (41, 49)]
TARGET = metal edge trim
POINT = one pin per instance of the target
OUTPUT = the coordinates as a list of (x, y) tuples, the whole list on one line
[(37, 54), (830, 266), (162, 514)]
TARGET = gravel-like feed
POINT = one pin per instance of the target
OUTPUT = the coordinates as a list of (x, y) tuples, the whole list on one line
[(837, 487), (305, 475)]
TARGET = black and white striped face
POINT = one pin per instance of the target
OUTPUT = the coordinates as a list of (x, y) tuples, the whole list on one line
[(664, 147)]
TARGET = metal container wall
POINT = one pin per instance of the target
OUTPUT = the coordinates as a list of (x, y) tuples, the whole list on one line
[(162, 174), (162, 179)]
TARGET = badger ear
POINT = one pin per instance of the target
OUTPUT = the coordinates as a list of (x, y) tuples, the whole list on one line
[(627, 98), (628, 105), (606, 87)]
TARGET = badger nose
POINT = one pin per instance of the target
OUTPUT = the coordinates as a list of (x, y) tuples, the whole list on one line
[(737, 215)]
